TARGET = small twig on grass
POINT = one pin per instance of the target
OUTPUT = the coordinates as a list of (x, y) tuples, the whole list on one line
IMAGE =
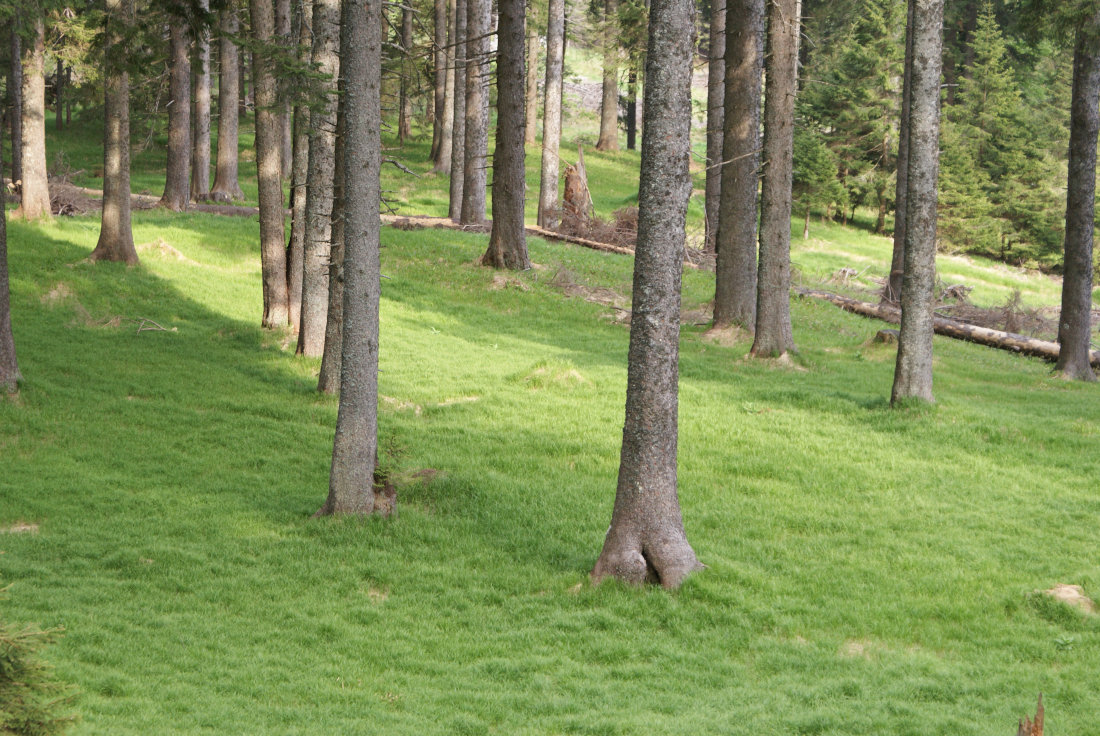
[(144, 322)]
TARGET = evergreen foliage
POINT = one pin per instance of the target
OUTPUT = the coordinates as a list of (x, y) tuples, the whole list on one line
[(32, 702)]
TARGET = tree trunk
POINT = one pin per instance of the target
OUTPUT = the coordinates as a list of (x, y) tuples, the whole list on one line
[(227, 187), (404, 114), (716, 94), (15, 89), (298, 184), (735, 238), (475, 161), (551, 114), (530, 127), (897, 262), (1074, 324), (286, 139), (328, 381), (631, 109), (508, 240), (913, 372), (773, 301), (646, 540), (458, 130), (177, 168), (116, 239), (322, 149), (269, 169), (59, 95), (9, 365), (35, 201), (439, 76), (443, 156), (242, 79), (351, 483), (200, 156), (609, 105)]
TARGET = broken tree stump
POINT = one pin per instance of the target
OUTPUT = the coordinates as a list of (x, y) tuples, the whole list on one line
[(1029, 727)]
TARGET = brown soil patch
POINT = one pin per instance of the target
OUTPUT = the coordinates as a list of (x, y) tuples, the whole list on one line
[(507, 281), (1072, 595), (399, 405), (20, 527), (59, 293), (566, 282), (163, 248), (728, 337)]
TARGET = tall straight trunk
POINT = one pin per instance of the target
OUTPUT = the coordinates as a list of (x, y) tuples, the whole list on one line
[(177, 169), (631, 109), (35, 202), (404, 113), (439, 76), (355, 447), (551, 114), (116, 239), (773, 286), (322, 151), (913, 371), (329, 379), (200, 154), (458, 131), (892, 292), (59, 95), (609, 105), (269, 169), (443, 155), (242, 79), (508, 240), (227, 185), (735, 242), (1074, 324), (646, 540), (531, 101), (716, 95), (299, 174), (477, 118), (15, 89), (9, 365), (286, 132)]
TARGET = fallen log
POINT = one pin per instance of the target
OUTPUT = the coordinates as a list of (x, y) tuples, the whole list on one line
[(952, 328)]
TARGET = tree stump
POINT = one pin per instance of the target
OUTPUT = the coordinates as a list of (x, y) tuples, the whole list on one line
[(1030, 727)]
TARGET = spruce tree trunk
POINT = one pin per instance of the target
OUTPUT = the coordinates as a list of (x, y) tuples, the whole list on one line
[(286, 131), (631, 110), (200, 156), (15, 89), (299, 174), (9, 365), (269, 169), (227, 185), (404, 115), (716, 95), (913, 371), (735, 267), (892, 291), (59, 95), (242, 80), (177, 169), (351, 483), (531, 102), (322, 150), (35, 201), (475, 161), (609, 105), (328, 381), (439, 76), (551, 114), (646, 540), (458, 130), (443, 156), (508, 239), (116, 239), (1074, 324), (773, 286)]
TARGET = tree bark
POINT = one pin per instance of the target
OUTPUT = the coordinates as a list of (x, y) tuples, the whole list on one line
[(551, 114), (892, 291), (404, 114), (242, 78), (773, 302), (269, 169), (200, 155), (15, 88), (631, 109), (328, 381), (322, 149), (646, 540), (716, 95), (735, 238), (1074, 324), (439, 76), (35, 200), (475, 161), (458, 130), (59, 95), (508, 240), (913, 372), (299, 175), (286, 128), (227, 187), (9, 365), (116, 239), (530, 127), (177, 167), (351, 483), (609, 105), (443, 155)]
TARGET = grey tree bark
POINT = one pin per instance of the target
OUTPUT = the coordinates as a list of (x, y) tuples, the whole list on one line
[(404, 112), (351, 482), (458, 130), (443, 155), (116, 239), (530, 123), (35, 201), (1074, 324), (15, 90), (735, 241), (328, 381), (286, 128), (646, 540), (322, 149), (439, 76), (475, 160), (9, 365), (551, 114), (913, 371), (59, 94), (716, 95), (508, 239), (773, 286), (200, 151), (269, 169), (892, 292), (227, 185), (609, 104), (177, 168), (299, 174)]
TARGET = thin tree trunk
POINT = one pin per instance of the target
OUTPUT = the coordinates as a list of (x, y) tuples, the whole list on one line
[(286, 140), (716, 95), (1074, 324), (531, 102), (355, 448), (299, 174), (631, 110), (35, 201), (508, 239), (646, 540), (458, 130), (328, 381), (9, 365), (177, 167), (551, 114), (227, 185), (892, 292), (443, 155), (913, 371), (15, 88), (439, 76), (322, 149), (404, 114), (475, 161), (609, 105), (242, 79), (200, 157), (59, 95), (269, 169), (735, 267)]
